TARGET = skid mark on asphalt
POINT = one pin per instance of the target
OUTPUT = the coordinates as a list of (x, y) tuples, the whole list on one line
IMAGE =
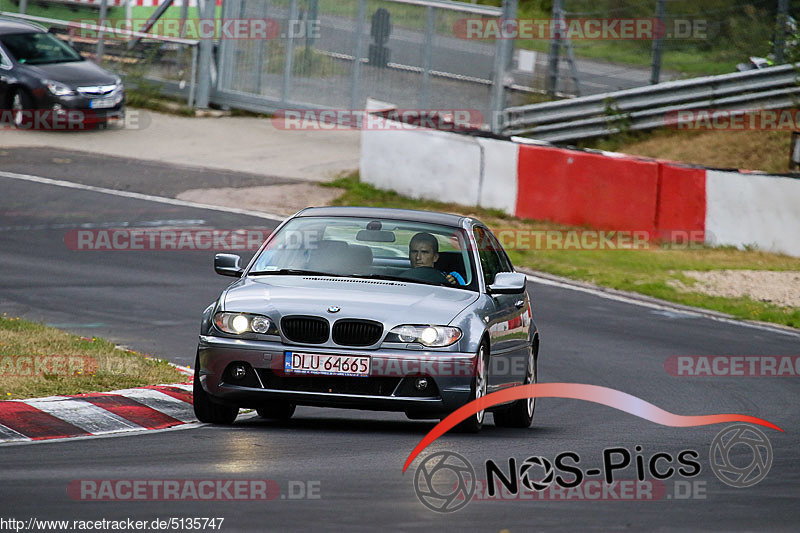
[(59, 417)]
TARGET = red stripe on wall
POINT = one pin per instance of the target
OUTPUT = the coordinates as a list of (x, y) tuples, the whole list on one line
[(681, 201), (132, 410), (584, 189), (36, 424)]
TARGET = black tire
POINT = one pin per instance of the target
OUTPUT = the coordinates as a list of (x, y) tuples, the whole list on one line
[(204, 409), (520, 414), (20, 100), (474, 423), (277, 411)]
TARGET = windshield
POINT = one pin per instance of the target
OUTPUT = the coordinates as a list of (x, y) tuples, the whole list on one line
[(39, 48), (371, 248)]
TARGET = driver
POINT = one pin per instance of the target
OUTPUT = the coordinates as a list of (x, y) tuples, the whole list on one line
[(423, 251)]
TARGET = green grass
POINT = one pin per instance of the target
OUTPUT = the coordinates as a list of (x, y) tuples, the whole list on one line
[(647, 272), (101, 366)]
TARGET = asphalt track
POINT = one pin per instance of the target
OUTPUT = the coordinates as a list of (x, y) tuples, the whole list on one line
[(152, 301)]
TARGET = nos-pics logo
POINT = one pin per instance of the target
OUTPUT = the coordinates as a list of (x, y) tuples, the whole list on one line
[(445, 481)]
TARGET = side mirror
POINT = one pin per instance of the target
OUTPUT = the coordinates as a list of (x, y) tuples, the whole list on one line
[(228, 265), (508, 283)]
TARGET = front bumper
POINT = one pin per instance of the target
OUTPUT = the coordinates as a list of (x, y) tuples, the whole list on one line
[(389, 387)]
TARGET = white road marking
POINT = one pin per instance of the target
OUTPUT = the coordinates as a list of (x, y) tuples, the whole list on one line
[(139, 196), (84, 415), (654, 305)]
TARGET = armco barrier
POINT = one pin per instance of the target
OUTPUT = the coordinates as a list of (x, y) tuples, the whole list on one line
[(600, 190)]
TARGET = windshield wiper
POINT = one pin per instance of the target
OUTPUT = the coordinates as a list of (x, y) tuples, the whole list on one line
[(293, 272)]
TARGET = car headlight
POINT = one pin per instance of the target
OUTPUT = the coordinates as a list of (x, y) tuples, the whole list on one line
[(238, 323), (433, 336), (58, 88)]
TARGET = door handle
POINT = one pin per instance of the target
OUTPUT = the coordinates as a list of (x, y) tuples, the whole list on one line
[(519, 304)]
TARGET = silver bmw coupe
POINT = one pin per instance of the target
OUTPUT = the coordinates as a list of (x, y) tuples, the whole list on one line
[(368, 308)]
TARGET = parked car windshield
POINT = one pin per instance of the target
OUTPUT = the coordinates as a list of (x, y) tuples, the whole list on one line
[(39, 48), (371, 248)]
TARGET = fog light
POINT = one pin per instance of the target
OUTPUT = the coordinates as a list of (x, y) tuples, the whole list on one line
[(238, 371), (421, 384)]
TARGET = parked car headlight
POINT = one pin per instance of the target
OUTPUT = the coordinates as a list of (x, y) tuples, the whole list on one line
[(238, 323), (58, 88), (433, 336)]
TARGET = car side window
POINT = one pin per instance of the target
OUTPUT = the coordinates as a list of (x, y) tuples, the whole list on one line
[(4, 61), (505, 262), (492, 261)]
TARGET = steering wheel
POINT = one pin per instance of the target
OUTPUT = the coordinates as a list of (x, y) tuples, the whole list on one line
[(429, 274)]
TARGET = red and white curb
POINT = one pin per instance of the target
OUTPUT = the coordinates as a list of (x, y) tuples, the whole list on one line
[(97, 413)]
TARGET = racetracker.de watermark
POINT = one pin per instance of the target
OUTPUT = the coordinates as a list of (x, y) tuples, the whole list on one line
[(71, 119), (193, 490), (734, 119), (581, 29), (370, 119), (213, 29), (52, 365), (771, 366), (585, 239), (151, 239)]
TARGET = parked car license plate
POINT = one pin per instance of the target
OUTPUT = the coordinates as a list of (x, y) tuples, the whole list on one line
[(327, 364), (102, 103)]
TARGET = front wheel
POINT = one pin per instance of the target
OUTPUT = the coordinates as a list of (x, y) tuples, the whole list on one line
[(520, 414), (204, 409), (480, 382)]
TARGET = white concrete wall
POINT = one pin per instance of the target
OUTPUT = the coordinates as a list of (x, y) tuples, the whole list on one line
[(421, 163), (753, 209), (499, 188), (439, 165)]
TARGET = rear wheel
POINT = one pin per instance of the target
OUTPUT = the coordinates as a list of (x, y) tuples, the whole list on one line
[(480, 382), (520, 414), (277, 411), (206, 410)]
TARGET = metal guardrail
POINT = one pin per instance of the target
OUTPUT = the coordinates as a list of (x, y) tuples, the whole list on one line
[(648, 107)]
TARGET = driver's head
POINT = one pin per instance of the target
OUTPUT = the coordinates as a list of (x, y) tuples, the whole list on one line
[(423, 250)]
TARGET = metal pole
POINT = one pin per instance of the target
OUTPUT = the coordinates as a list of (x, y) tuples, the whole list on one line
[(502, 50), (260, 57), (780, 31), (289, 61), (184, 16), (358, 51), (100, 40), (658, 43), (205, 60), (555, 46), (23, 6), (427, 52), (193, 82)]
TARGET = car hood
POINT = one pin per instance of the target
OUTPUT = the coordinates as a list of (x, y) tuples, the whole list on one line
[(390, 302), (74, 73)]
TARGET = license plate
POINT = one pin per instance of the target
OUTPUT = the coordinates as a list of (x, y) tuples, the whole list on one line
[(102, 103), (329, 365)]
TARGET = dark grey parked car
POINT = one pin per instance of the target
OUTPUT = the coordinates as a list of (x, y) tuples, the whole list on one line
[(46, 84), (368, 308)]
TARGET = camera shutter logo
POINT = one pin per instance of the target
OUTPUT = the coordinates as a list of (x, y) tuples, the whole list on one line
[(525, 473), (445, 482), (736, 439)]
